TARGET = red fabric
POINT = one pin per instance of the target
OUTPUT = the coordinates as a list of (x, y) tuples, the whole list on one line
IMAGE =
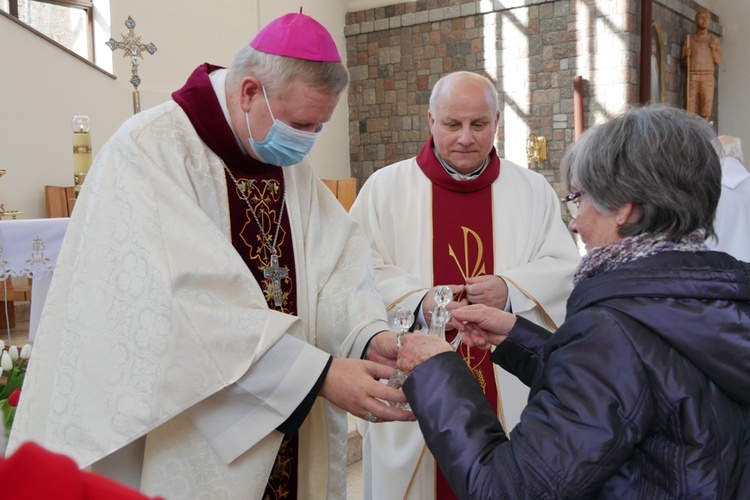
[(33, 473), (462, 247)]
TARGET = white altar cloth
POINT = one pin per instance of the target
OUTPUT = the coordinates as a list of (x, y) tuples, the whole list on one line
[(30, 248)]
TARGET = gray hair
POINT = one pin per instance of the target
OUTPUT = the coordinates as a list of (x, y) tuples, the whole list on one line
[(451, 77), (731, 147), (277, 73), (659, 157)]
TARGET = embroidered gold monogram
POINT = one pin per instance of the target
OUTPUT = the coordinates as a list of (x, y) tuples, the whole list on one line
[(472, 265), (37, 252), (470, 269)]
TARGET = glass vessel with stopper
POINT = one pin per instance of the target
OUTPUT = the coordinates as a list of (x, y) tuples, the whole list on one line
[(403, 321), (441, 315)]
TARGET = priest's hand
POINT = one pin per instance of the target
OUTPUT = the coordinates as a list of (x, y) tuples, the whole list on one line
[(429, 304), (418, 348), (353, 385), (483, 326), (487, 289), (382, 348)]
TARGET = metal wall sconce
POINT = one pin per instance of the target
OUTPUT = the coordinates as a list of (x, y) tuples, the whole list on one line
[(536, 148)]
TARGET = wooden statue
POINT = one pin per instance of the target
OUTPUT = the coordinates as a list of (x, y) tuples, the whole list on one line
[(701, 54)]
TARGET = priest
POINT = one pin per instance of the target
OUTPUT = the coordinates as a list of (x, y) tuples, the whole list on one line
[(198, 336), (458, 215)]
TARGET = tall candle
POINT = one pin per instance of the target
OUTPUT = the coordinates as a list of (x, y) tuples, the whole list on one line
[(81, 149)]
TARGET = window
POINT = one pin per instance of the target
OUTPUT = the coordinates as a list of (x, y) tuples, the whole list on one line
[(67, 22)]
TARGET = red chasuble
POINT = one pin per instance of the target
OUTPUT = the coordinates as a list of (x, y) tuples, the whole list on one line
[(462, 247), (263, 186)]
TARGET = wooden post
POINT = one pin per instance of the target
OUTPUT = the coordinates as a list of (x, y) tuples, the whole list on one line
[(646, 14), (578, 105), (687, 73)]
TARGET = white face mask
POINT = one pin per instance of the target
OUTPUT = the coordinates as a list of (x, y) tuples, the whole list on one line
[(284, 145)]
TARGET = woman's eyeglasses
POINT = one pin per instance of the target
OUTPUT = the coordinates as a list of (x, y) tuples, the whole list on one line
[(572, 202)]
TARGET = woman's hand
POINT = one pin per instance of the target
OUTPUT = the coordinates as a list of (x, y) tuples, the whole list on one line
[(483, 326), (417, 348)]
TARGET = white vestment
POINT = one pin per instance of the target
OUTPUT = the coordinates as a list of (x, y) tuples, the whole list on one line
[(532, 248), (732, 224), (154, 326)]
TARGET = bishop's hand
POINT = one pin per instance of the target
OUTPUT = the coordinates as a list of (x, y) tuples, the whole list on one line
[(382, 348), (353, 385)]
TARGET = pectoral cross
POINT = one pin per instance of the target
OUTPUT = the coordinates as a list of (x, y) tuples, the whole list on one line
[(276, 273)]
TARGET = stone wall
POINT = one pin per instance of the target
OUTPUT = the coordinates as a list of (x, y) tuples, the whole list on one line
[(532, 49)]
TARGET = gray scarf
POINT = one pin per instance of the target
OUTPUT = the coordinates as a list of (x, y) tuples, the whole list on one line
[(613, 255)]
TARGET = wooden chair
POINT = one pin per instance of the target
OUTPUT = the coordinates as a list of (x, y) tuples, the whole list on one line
[(59, 200), (9, 293), (345, 190)]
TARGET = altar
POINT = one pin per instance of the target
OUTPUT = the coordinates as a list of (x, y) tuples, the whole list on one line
[(30, 248)]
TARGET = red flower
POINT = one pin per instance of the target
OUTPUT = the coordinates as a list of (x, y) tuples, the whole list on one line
[(14, 397)]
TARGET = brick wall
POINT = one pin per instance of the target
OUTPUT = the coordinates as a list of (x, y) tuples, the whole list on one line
[(531, 48)]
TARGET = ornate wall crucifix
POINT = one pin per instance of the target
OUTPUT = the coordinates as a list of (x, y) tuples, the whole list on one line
[(132, 46)]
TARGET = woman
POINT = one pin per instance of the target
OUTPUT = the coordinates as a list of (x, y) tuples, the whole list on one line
[(643, 392)]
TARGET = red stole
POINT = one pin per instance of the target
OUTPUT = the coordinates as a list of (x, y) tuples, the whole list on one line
[(264, 190), (263, 185), (462, 247)]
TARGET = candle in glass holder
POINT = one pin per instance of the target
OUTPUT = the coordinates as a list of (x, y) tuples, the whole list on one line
[(81, 149)]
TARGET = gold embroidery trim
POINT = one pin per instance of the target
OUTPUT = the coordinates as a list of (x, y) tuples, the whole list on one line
[(398, 300), (552, 326)]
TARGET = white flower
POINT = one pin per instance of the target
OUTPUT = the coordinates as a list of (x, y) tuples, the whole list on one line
[(26, 351), (2, 345), (13, 351), (5, 362)]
